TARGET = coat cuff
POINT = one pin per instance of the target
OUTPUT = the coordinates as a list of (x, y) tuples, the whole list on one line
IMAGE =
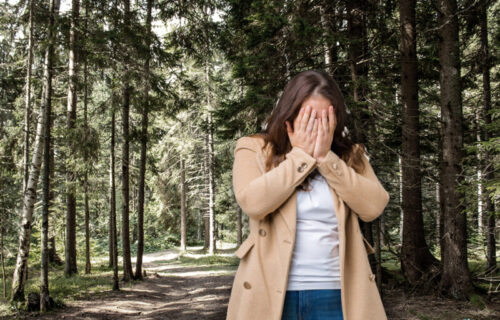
[(305, 164), (330, 164)]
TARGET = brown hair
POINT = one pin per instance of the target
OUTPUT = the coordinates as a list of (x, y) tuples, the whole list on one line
[(296, 91)]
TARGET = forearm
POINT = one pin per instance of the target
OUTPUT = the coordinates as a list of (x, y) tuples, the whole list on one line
[(259, 193), (363, 193)]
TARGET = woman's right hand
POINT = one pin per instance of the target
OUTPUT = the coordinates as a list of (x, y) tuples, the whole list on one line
[(305, 130)]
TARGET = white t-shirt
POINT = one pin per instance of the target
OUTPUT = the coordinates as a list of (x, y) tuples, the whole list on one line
[(315, 259)]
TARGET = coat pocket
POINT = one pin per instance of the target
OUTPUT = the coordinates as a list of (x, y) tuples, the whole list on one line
[(245, 246), (368, 246)]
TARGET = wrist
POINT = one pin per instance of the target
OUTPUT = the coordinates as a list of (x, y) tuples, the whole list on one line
[(321, 159)]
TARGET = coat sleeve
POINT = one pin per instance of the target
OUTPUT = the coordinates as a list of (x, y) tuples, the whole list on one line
[(363, 193), (259, 193)]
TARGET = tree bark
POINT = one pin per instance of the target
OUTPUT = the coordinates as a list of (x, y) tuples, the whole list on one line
[(27, 113), (455, 280), (88, 265), (2, 232), (19, 276), (71, 263), (44, 274), (112, 211), (488, 175), (358, 51), (415, 255), (183, 206), (126, 88), (144, 141)]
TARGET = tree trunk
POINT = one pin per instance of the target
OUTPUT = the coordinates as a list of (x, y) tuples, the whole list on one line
[(44, 272), (144, 141), (71, 263), (27, 113), (415, 255), (126, 88), (19, 276), (88, 265), (488, 176), (183, 206), (2, 261), (358, 47), (112, 211), (455, 280), (210, 167), (206, 212), (326, 46)]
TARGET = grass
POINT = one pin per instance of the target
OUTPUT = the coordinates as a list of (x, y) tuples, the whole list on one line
[(62, 289), (205, 260)]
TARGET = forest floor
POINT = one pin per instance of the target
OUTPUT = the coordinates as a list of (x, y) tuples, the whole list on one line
[(179, 288)]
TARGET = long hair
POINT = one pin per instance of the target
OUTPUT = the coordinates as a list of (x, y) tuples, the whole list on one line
[(302, 86)]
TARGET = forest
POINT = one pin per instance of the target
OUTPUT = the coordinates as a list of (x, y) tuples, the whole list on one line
[(118, 123)]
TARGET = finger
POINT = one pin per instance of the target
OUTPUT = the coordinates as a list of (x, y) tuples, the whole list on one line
[(319, 129), (305, 118), (331, 119), (310, 124), (315, 127), (324, 121)]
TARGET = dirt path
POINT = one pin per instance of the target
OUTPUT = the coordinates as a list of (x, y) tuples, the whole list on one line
[(172, 297), (170, 291)]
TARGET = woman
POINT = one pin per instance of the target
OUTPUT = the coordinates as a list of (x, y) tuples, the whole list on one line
[(303, 187)]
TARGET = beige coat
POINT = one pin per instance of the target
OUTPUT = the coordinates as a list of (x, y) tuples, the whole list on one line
[(269, 200)]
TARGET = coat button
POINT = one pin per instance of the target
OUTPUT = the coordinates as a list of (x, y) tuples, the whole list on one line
[(335, 166), (262, 232), (372, 277), (303, 165), (247, 285)]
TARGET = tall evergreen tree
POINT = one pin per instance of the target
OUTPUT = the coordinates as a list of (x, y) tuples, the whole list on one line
[(455, 279), (415, 255), (70, 262)]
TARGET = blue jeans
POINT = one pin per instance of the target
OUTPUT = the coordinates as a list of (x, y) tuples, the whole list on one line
[(321, 304)]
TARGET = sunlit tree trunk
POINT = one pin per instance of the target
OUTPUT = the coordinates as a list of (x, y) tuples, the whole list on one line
[(183, 206), (27, 93), (19, 276)]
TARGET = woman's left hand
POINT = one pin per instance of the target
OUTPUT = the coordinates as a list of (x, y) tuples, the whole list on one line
[(324, 138)]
